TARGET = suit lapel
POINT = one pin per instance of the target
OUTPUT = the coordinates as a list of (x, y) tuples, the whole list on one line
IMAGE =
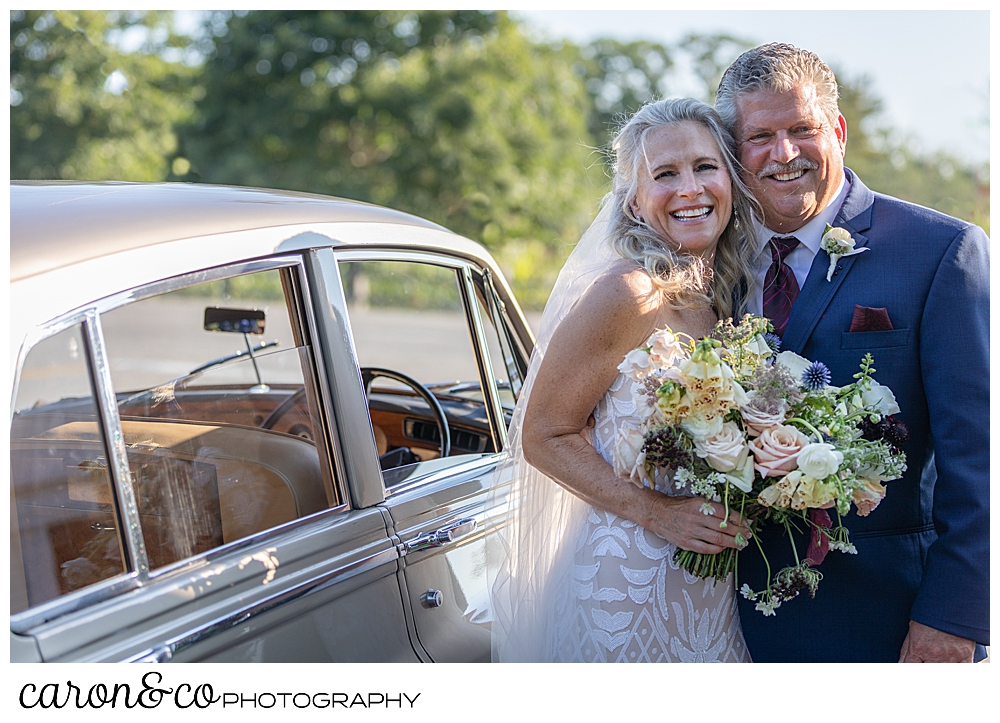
[(817, 293)]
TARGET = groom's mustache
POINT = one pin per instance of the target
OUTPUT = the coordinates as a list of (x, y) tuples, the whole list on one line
[(797, 164)]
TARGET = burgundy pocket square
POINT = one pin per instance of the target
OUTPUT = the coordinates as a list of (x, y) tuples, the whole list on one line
[(867, 318)]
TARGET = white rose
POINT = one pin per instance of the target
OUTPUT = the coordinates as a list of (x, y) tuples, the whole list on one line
[(724, 451), (819, 460), (742, 476), (794, 363), (700, 427), (637, 365), (838, 239), (630, 458), (881, 398), (665, 348)]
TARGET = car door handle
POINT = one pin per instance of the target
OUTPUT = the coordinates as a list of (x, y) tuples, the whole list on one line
[(438, 538), (158, 654)]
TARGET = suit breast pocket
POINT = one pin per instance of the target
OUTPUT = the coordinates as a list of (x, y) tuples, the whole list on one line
[(874, 339)]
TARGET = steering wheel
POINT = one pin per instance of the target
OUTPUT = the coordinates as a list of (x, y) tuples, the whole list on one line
[(287, 405), (369, 374)]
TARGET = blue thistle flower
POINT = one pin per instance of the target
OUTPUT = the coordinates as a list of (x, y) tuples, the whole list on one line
[(816, 376), (773, 341)]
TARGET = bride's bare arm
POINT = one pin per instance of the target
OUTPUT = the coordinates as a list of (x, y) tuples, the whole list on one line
[(617, 314)]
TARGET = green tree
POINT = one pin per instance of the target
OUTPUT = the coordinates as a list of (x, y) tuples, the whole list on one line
[(454, 116), (83, 109), (619, 78), (710, 55)]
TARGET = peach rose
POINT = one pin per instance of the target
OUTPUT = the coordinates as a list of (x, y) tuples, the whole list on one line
[(776, 450), (867, 497), (637, 365), (665, 348), (757, 420)]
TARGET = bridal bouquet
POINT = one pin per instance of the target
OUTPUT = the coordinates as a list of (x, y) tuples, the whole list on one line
[(729, 419)]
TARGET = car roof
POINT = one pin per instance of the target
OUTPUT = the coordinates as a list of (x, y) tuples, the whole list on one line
[(55, 224)]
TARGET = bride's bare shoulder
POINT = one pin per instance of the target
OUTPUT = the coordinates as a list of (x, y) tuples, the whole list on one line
[(625, 285), (620, 306)]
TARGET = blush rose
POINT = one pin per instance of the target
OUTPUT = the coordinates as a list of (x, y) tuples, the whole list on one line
[(776, 450)]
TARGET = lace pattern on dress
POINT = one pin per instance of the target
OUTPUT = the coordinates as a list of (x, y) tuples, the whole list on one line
[(628, 601)]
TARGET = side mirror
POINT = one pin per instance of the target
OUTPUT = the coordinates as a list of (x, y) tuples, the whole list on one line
[(240, 321)]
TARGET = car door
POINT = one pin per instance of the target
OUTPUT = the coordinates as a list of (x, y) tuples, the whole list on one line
[(432, 317), (201, 515)]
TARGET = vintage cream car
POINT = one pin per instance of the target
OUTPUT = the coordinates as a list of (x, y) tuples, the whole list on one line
[(251, 425)]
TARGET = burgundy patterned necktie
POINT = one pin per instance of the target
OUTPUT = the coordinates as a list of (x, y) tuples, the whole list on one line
[(780, 285)]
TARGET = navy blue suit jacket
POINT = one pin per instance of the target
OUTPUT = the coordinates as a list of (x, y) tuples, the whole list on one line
[(923, 554)]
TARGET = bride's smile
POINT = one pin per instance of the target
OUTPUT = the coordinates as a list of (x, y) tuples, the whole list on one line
[(686, 194)]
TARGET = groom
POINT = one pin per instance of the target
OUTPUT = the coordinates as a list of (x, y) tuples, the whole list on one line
[(918, 301)]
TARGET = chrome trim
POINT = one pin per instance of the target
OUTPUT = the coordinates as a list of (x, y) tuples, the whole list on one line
[(336, 489), (488, 460), (494, 408), (126, 506), (501, 320), (432, 599), (435, 258), (23, 622), (362, 475), (258, 538), (158, 654), (179, 643), (438, 538), (37, 335)]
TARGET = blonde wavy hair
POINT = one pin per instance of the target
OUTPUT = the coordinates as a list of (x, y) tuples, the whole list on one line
[(684, 280)]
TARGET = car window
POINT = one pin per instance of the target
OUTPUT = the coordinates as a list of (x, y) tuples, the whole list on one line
[(409, 317), (64, 530), (218, 412), (505, 370)]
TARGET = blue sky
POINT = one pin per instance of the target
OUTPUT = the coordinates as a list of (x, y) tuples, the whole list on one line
[(931, 68)]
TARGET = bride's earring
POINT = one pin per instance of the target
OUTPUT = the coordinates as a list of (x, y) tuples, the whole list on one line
[(635, 213)]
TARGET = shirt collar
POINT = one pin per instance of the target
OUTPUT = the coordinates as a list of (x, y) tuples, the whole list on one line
[(810, 235)]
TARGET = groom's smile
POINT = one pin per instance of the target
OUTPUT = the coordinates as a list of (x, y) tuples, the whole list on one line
[(792, 152)]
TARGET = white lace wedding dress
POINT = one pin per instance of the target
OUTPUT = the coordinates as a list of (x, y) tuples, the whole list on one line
[(628, 601)]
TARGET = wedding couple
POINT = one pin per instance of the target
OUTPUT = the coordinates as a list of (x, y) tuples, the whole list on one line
[(714, 213)]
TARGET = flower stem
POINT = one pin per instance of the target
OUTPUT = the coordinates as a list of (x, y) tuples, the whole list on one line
[(792, 539), (804, 423)]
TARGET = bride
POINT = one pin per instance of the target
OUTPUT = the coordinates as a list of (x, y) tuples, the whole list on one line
[(584, 567)]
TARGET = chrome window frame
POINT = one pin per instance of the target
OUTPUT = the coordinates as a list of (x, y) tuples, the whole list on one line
[(133, 543), (463, 268)]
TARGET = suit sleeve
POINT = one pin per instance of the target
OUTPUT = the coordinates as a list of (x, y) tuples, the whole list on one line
[(954, 360)]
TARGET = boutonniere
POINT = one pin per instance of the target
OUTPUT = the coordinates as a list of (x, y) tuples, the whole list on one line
[(837, 242)]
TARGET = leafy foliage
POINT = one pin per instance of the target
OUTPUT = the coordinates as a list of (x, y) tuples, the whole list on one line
[(81, 108), (453, 116)]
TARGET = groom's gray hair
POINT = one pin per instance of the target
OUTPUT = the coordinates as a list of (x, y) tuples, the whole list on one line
[(778, 68)]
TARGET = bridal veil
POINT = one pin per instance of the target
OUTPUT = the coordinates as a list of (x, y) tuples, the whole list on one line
[(530, 558)]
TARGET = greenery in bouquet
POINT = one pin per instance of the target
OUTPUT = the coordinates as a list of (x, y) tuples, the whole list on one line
[(731, 419)]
